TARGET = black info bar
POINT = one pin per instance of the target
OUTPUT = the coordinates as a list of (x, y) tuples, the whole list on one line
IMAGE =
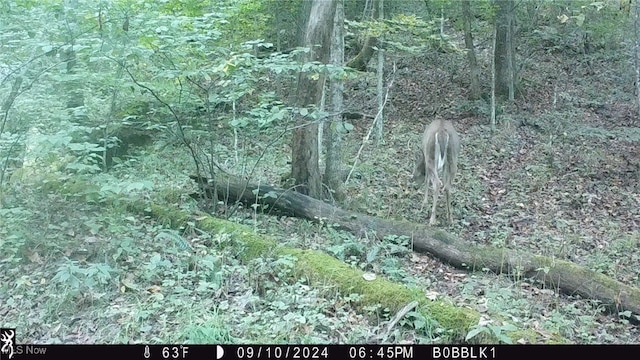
[(268, 352)]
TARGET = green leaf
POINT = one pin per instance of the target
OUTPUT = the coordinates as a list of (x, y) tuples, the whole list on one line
[(471, 334)]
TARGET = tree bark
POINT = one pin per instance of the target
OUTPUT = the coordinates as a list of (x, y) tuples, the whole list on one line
[(503, 54), (568, 277), (362, 59), (493, 85), (332, 176), (474, 70), (380, 82), (4, 115), (305, 169), (636, 51), (366, 52)]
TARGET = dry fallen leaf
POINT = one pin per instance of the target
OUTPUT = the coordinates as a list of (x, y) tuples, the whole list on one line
[(432, 295), (35, 258), (369, 276), (154, 289)]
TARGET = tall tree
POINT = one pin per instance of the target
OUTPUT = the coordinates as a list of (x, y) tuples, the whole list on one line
[(75, 94), (504, 50), (474, 69), (305, 169), (636, 50), (366, 52), (332, 174), (380, 78)]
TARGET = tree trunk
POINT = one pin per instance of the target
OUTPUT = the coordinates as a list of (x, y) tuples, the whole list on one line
[(502, 52), (380, 82), (474, 70), (636, 50), (569, 278), (332, 174), (493, 85), (305, 169), (360, 61), (511, 50), (75, 95), (366, 52), (304, 161), (16, 86)]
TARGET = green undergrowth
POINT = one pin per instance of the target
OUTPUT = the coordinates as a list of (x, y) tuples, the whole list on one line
[(131, 270)]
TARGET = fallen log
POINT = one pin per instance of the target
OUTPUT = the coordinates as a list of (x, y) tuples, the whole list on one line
[(565, 276)]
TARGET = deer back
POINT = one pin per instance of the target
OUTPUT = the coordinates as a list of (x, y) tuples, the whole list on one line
[(441, 146)]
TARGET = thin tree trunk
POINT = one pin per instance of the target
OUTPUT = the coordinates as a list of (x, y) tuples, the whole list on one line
[(333, 170), (493, 83), (362, 59), (4, 114), (511, 50), (380, 83), (474, 70), (501, 50), (636, 48)]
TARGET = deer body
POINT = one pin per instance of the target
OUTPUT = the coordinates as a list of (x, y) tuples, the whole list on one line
[(439, 155)]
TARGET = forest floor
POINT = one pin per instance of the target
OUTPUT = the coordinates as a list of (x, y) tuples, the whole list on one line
[(558, 177)]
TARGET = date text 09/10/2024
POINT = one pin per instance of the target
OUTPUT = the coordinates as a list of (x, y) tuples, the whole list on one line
[(371, 352)]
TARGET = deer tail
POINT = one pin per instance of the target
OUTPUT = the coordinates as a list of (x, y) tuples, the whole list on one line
[(440, 153)]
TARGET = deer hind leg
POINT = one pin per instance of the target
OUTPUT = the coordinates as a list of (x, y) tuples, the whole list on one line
[(448, 199), (426, 195), (427, 178), (436, 189), (451, 171)]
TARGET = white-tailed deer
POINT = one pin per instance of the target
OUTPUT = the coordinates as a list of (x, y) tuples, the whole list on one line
[(440, 149)]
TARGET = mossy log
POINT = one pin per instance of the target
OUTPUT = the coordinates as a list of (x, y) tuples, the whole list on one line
[(562, 275)]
